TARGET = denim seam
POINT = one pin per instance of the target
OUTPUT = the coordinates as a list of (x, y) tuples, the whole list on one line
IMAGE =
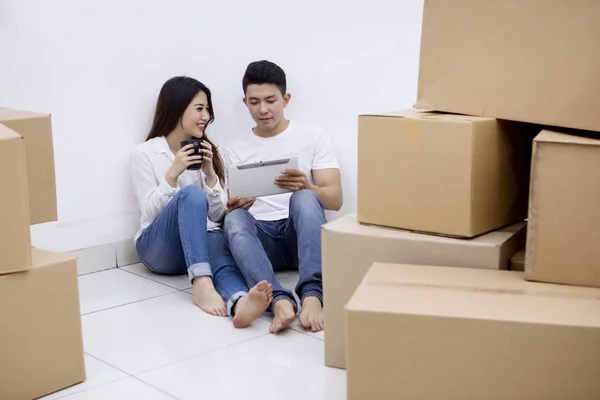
[(197, 270), (284, 296), (182, 238), (232, 301), (312, 293)]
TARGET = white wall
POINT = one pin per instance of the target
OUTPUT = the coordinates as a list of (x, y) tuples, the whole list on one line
[(97, 66)]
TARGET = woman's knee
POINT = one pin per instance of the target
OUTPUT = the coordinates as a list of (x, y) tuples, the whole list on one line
[(193, 194)]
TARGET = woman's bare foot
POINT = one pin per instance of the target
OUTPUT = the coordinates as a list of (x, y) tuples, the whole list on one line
[(250, 307), (283, 316), (311, 316), (207, 298)]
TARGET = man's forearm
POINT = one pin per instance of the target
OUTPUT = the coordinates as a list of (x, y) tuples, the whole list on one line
[(331, 197)]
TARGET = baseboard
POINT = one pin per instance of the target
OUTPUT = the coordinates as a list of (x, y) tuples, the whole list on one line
[(99, 258), (126, 254), (106, 256)]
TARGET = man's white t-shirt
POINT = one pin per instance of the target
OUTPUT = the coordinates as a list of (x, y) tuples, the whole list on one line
[(310, 144)]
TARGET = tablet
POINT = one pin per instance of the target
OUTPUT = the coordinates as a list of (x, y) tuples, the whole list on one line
[(258, 179)]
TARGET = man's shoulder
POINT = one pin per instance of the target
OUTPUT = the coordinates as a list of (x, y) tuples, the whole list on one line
[(232, 149)]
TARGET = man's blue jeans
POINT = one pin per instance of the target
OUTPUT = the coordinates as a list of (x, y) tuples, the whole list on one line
[(177, 242), (262, 247)]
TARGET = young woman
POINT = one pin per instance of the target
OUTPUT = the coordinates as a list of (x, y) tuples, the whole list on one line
[(182, 209)]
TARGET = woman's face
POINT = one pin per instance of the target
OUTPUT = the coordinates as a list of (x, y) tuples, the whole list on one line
[(196, 116)]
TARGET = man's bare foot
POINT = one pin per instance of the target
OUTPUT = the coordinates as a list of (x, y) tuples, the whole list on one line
[(311, 316), (250, 307), (207, 298), (283, 316)]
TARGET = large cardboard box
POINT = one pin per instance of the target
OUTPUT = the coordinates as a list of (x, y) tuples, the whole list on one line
[(350, 248), (418, 332), (535, 61), (563, 243), (442, 173), (36, 129), (41, 347), (15, 240)]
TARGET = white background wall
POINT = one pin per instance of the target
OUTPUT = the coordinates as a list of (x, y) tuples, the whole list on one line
[(97, 67)]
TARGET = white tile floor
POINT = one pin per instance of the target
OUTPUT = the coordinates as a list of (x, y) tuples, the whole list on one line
[(145, 339)]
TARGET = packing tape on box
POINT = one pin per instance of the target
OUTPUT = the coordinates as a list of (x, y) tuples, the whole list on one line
[(412, 128), (584, 293)]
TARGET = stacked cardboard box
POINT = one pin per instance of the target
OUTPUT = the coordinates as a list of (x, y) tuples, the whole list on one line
[(417, 332), (350, 248), (433, 188), (521, 76), (564, 216), (41, 348), (440, 173)]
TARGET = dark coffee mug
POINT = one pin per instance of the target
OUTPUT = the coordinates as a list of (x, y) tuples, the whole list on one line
[(197, 147)]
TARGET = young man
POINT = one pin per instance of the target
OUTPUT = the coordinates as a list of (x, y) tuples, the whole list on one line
[(283, 231)]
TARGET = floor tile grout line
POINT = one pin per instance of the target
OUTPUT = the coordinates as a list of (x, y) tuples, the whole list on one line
[(94, 387), (300, 329), (137, 377), (309, 335), (127, 376), (128, 265), (107, 363), (95, 272), (154, 387), (151, 280), (131, 302), (202, 354)]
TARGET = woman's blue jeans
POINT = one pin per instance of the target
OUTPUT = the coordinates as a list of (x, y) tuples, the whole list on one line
[(177, 242)]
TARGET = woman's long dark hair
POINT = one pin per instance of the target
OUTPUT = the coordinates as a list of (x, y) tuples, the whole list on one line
[(175, 96)]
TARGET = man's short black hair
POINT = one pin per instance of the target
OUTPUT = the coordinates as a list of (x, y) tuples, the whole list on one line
[(261, 72)]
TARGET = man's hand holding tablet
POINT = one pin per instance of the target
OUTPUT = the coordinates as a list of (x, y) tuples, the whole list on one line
[(239, 202)]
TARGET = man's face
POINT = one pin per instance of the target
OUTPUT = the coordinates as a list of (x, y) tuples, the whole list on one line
[(266, 104)]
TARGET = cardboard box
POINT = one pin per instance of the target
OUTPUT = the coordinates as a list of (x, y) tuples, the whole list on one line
[(533, 61), (442, 173), (517, 262), (417, 332), (36, 129), (563, 243), (15, 240), (41, 347), (350, 248)]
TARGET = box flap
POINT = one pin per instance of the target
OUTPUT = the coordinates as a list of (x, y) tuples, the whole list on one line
[(349, 225), (15, 237), (9, 114), (407, 113), (36, 129), (558, 137), (469, 279), (8, 134), (44, 258), (413, 113), (439, 299)]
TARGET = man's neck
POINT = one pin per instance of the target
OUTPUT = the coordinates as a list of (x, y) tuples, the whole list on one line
[(277, 129)]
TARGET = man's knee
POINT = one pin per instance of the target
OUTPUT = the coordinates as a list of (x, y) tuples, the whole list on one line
[(238, 221), (193, 194), (304, 200)]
